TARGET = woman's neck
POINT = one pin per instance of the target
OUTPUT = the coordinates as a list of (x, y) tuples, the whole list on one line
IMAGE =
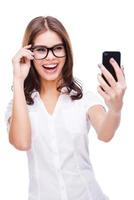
[(49, 88)]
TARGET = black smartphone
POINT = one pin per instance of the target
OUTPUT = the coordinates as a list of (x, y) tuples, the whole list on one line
[(106, 62)]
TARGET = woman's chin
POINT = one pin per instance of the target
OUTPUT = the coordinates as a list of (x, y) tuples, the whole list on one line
[(50, 77)]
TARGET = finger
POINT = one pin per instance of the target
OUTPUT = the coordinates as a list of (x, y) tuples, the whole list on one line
[(108, 76), (110, 79), (22, 51), (118, 71), (102, 93), (25, 51), (29, 51), (28, 55), (122, 68), (24, 60), (121, 87), (104, 85), (25, 56)]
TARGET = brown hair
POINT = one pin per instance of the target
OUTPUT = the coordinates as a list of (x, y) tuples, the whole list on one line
[(37, 26)]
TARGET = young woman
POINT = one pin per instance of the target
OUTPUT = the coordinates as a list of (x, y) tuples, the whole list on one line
[(50, 114)]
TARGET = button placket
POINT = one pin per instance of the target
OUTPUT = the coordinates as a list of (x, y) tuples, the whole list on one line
[(56, 160)]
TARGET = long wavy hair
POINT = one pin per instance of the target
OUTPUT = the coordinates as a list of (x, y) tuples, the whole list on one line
[(32, 82)]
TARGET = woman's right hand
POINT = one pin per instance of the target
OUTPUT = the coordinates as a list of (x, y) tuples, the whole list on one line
[(21, 63)]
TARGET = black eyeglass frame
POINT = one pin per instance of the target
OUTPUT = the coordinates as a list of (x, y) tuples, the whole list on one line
[(48, 49)]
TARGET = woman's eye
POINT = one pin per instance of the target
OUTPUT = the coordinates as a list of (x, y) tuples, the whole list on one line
[(58, 48), (41, 49)]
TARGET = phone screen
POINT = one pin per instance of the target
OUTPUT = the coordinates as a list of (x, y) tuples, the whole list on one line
[(105, 61)]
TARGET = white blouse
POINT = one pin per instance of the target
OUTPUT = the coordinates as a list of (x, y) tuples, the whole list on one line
[(59, 164)]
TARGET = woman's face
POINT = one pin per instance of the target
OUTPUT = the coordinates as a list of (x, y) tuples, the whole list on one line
[(50, 67)]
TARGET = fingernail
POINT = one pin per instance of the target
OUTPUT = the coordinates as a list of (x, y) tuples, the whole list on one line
[(111, 59)]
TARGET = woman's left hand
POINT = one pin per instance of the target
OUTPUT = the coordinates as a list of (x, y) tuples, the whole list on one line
[(113, 94)]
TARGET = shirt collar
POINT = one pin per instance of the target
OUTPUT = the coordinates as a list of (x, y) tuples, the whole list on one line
[(64, 90)]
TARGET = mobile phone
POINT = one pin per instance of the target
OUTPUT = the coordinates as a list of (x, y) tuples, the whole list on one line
[(106, 62)]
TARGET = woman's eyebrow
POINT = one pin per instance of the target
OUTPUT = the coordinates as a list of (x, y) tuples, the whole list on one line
[(47, 46)]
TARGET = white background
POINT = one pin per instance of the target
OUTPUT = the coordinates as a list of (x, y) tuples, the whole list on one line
[(93, 26)]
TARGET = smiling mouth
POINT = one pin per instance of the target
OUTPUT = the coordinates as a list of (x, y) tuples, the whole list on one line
[(50, 67)]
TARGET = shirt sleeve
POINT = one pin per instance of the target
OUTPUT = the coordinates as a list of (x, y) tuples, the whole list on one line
[(90, 99)]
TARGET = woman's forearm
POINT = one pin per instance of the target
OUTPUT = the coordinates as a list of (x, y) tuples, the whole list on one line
[(20, 131), (109, 125)]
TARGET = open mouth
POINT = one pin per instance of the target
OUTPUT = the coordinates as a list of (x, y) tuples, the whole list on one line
[(50, 68)]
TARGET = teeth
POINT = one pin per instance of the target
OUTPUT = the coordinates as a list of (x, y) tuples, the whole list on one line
[(50, 66)]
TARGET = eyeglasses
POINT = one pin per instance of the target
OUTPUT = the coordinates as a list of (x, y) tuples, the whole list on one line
[(41, 52)]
